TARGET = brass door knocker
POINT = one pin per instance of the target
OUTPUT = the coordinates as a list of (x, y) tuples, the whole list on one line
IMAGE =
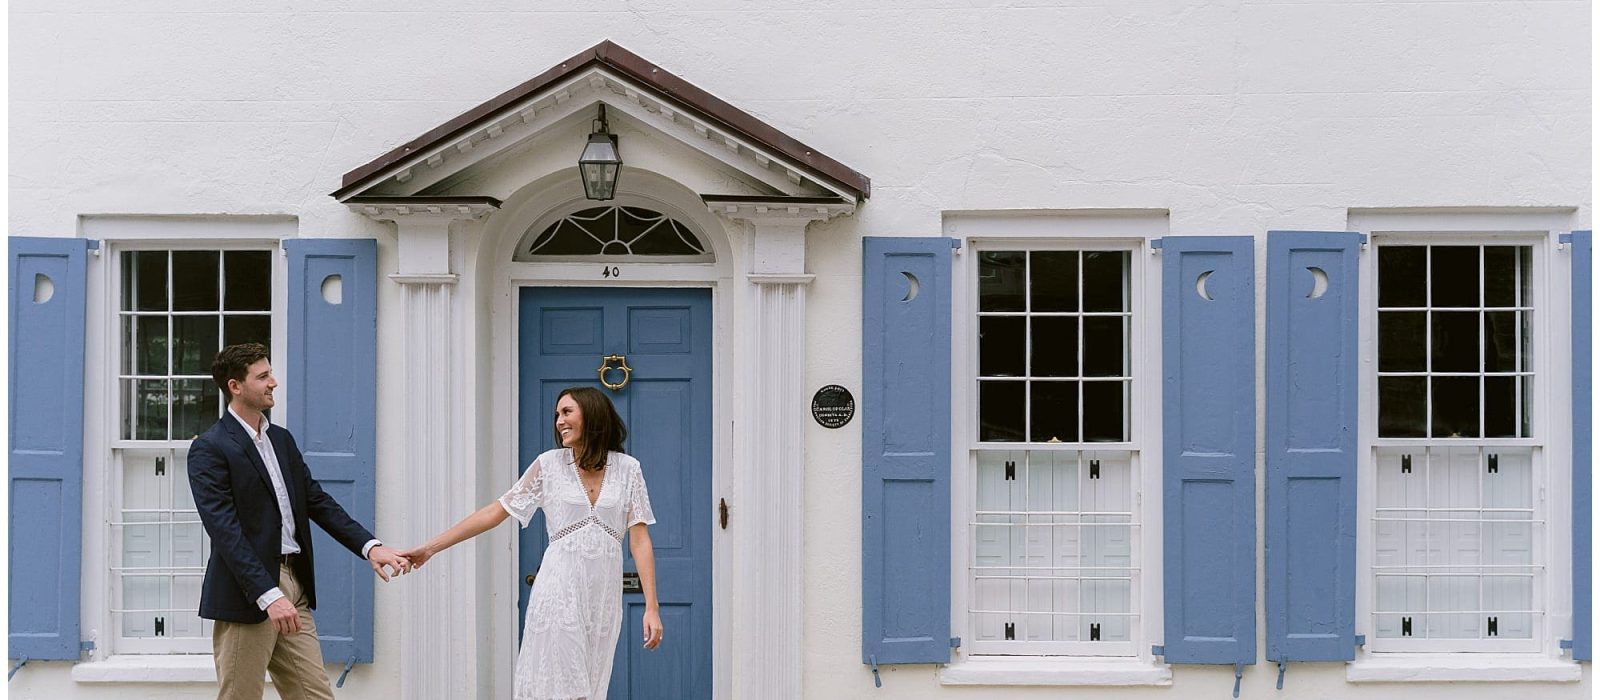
[(622, 364)]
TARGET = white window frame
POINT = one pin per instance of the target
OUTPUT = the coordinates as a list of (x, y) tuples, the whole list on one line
[(113, 658), (1550, 438), (1089, 230)]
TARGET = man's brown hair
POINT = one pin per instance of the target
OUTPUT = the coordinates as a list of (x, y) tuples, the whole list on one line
[(603, 430), (233, 362)]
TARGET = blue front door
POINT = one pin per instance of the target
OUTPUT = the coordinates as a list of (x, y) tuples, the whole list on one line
[(665, 336)]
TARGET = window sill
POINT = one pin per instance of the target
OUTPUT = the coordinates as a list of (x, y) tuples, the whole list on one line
[(1013, 670), (1406, 668), (152, 668)]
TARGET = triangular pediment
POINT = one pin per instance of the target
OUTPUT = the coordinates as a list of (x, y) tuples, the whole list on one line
[(632, 88)]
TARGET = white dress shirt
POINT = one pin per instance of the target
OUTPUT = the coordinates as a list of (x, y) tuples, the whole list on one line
[(269, 457)]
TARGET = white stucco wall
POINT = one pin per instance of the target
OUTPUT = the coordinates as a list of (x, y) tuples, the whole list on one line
[(1236, 117)]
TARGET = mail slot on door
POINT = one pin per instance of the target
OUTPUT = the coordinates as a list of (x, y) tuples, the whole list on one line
[(630, 583)]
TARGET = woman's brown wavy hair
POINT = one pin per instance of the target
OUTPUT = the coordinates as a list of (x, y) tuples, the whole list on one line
[(603, 429)]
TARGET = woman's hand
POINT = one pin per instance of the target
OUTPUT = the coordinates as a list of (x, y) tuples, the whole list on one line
[(652, 628), (417, 555)]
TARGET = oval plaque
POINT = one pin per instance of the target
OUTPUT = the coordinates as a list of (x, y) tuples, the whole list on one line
[(833, 406)]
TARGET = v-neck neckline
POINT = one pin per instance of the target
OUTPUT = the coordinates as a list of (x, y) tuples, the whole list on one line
[(605, 476)]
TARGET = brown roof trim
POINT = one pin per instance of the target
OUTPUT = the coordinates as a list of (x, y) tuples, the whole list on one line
[(685, 95), (766, 199), (425, 200)]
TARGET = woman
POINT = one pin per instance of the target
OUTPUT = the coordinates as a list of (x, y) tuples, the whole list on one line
[(591, 493)]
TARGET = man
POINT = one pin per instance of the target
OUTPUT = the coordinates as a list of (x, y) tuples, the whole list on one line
[(256, 497)]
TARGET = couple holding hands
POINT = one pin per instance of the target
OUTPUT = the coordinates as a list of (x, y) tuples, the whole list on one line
[(256, 498)]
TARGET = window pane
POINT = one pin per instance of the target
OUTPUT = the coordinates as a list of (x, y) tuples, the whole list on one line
[(149, 282), (1526, 341), (1402, 406), (1055, 411), (196, 340), (246, 329), (1000, 408), (145, 344), (1500, 341), (194, 280), (1402, 341), (1500, 407), (1402, 277), (1104, 348), (248, 277), (145, 406), (1001, 280), (1055, 346), (1001, 346), (1499, 276), (195, 406), (1454, 274), (1455, 406), (1105, 411), (1103, 281), (1455, 341), (1055, 281)]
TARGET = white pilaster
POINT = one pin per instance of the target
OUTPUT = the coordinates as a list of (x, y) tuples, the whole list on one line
[(439, 639), (769, 651)]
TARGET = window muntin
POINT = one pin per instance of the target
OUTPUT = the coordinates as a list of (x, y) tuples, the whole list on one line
[(176, 309), (1053, 525), (1054, 545), (1054, 330), (1455, 341), (618, 231)]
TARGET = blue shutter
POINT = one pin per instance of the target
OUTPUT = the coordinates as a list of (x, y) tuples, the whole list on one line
[(1582, 443), (46, 461), (1312, 307), (1208, 448), (905, 450), (332, 381)]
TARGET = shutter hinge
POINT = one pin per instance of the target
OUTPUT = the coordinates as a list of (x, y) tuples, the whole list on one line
[(1238, 677), (161, 627), (955, 642), (1094, 468), (1281, 666), (1494, 464), (1405, 464), (347, 666), (20, 663), (1011, 630), (1158, 650), (1494, 627), (1011, 470), (722, 512), (1364, 239), (1565, 644), (955, 243), (1155, 244), (1361, 640), (1094, 631), (1564, 238), (877, 681), (1405, 626), (161, 466), (94, 246)]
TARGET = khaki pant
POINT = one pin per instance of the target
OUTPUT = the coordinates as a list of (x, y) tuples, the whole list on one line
[(246, 653)]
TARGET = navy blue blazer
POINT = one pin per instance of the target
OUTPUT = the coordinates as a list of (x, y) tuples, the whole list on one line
[(240, 512)]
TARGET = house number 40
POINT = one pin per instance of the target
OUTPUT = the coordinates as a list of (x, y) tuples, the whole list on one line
[(609, 271)]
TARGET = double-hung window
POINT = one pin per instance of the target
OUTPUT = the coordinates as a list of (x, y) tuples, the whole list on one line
[(175, 309), (1459, 552), (1053, 560)]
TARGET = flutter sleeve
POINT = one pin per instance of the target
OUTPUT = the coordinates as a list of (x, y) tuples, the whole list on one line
[(639, 500), (525, 496)]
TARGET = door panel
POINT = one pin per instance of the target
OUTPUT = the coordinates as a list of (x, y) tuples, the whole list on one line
[(665, 334)]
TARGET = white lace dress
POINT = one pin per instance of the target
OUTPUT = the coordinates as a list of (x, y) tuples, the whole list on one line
[(575, 608)]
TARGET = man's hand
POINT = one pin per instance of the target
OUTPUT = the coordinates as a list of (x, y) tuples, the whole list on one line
[(381, 556), (285, 618)]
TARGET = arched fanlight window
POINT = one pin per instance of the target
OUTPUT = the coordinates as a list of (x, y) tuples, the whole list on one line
[(613, 231)]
